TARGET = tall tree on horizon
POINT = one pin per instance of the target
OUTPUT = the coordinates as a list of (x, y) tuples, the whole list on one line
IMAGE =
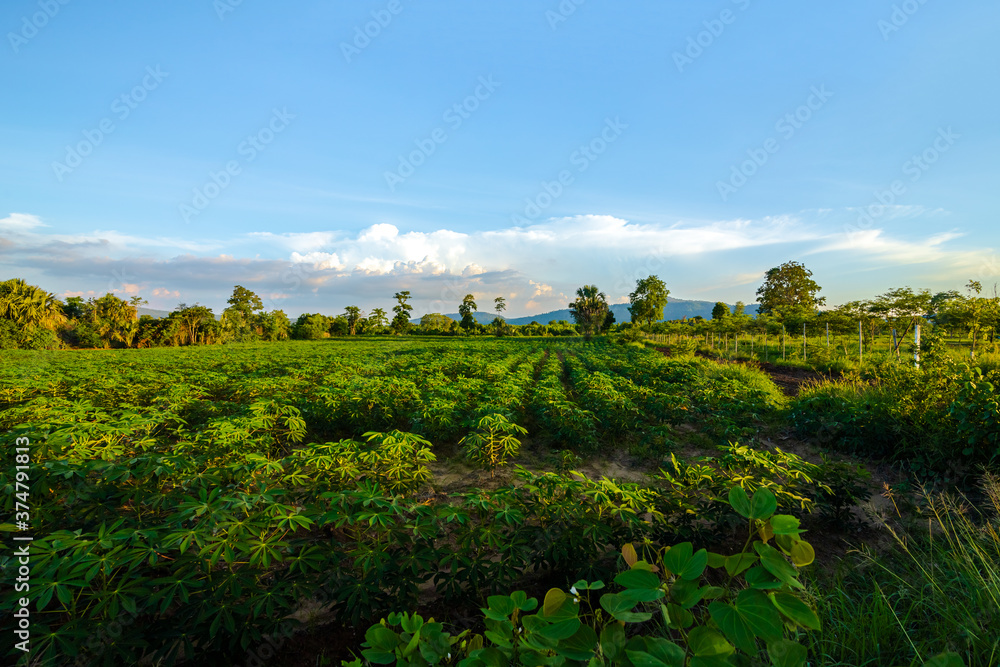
[(401, 322), (648, 300), (590, 309), (466, 310), (789, 292)]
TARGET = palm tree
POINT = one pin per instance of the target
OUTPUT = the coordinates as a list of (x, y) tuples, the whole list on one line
[(590, 309), (29, 306)]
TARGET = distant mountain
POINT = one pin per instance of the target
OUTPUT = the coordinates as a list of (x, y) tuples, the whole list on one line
[(676, 309), (158, 314)]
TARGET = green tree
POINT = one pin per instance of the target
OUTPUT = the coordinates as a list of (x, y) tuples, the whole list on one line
[(74, 308), (499, 305), (194, 320), (902, 309), (789, 292), (590, 309), (401, 322), (436, 323), (29, 306), (274, 325), (648, 300), (313, 326), (239, 320), (720, 311), (353, 315), (466, 310), (377, 320)]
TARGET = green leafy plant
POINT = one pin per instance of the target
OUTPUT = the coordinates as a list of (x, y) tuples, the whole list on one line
[(493, 443)]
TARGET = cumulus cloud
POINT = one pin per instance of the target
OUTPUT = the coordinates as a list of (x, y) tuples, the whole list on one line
[(536, 265)]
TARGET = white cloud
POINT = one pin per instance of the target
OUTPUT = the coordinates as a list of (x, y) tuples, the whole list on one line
[(537, 265)]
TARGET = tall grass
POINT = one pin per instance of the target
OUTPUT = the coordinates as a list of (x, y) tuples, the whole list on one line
[(938, 589)]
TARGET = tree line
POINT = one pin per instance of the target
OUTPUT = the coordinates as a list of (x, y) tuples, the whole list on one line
[(32, 318)]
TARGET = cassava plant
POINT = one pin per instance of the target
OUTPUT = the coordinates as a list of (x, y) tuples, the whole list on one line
[(747, 608), (493, 442)]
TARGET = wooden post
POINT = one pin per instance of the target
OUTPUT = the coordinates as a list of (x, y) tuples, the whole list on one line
[(895, 345), (916, 342), (861, 346), (828, 334), (803, 341), (784, 335)]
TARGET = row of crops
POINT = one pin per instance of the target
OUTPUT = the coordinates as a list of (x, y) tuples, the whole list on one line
[(193, 502)]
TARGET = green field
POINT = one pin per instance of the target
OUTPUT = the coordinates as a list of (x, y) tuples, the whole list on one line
[(209, 505)]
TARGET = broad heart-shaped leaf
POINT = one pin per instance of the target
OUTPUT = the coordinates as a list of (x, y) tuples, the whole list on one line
[(676, 616), (740, 501), (559, 606), (739, 562), (637, 579), (580, 646), (612, 640), (948, 659), (715, 561), (803, 554), (775, 563), (637, 595), (795, 609), (501, 607), (381, 638), (687, 593), (759, 578), (784, 524), (522, 601), (584, 585), (705, 642), (658, 653), (553, 601), (763, 504), (560, 629), (680, 560), (786, 653), (621, 609), (751, 616), (629, 554)]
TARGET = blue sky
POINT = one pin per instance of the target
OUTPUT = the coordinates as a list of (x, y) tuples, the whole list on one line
[(523, 149)]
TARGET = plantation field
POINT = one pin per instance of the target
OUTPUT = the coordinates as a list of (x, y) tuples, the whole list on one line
[(193, 505)]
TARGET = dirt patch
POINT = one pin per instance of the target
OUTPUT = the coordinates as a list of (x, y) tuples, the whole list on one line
[(790, 380)]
